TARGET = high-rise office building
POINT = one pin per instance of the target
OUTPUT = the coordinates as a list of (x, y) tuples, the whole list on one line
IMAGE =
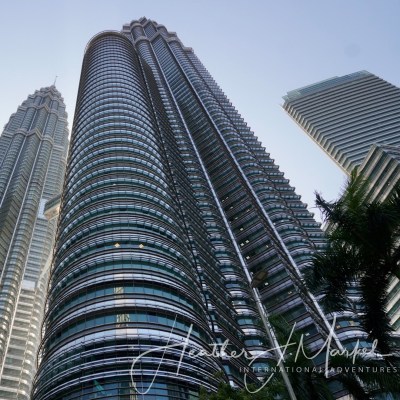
[(33, 150), (382, 168), (355, 119), (176, 228), (346, 115)]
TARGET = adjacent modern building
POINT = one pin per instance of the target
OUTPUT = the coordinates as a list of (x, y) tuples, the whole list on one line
[(33, 149), (346, 115), (177, 231), (355, 119), (381, 166)]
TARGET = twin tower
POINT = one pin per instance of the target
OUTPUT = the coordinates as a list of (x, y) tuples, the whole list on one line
[(176, 233)]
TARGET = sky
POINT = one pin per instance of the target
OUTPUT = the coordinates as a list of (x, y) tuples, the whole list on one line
[(256, 50)]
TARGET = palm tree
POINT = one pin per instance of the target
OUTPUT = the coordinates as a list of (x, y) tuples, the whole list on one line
[(360, 378), (357, 375), (363, 251)]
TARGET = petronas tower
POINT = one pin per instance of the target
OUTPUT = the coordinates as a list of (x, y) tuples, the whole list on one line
[(177, 231), (33, 148)]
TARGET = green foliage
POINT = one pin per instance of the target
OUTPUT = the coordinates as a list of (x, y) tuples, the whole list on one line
[(362, 250), (361, 378)]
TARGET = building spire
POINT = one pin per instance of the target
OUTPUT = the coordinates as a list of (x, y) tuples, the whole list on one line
[(55, 80)]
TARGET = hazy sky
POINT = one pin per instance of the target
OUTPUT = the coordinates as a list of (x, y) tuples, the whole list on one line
[(256, 50)]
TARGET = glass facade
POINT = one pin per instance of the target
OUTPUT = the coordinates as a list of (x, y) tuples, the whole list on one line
[(33, 150), (355, 120), (346, 115), (173, 220)]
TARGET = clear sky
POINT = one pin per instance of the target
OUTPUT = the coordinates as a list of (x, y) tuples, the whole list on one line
[(256, 50)]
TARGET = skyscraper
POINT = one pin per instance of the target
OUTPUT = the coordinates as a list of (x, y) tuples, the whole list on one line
[(175, 227), (33, 149), (355, 119), (382, 167), (346, 115)]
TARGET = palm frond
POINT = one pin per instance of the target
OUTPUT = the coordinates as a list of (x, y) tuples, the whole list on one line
[(363, 246), (362, 372), (330, 274), (375, 319)]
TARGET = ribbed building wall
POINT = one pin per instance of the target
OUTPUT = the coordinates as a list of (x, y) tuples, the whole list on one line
[(270, 230), (355, 119), (173, 218), (215, 256), (124, 281), (381, 166), (33, 150), (346, 115)]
